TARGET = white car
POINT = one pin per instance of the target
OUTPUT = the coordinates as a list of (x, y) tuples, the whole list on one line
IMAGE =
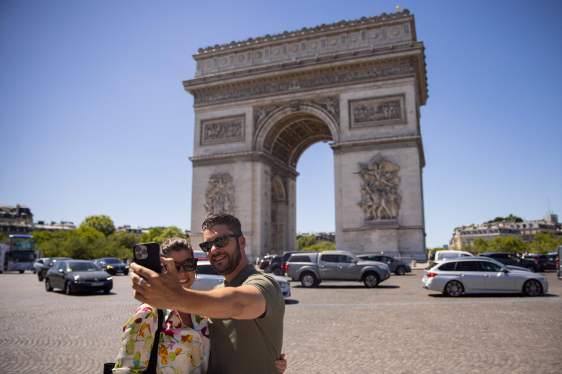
[(445, 255), (207, 279), (479, 274)]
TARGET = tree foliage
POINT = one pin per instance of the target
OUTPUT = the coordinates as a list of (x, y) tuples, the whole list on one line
[(509, 218), (96, 237), (102, 223), (159, 234)]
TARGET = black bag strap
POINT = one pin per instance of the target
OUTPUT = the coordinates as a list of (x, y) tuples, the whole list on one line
[(151, 369)]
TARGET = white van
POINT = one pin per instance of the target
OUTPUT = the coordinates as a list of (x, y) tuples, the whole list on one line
[(441, 256)]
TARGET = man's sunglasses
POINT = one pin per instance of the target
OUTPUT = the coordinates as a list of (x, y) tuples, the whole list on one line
[(188, 265), (219, 242)]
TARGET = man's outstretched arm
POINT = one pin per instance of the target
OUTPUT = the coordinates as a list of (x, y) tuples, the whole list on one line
[(164, 291)]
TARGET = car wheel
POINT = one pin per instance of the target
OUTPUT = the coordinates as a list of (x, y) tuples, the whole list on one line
[(370, 280), (39, 277), (68, 288), (532, 288), (21, 271), (308, 280), (126, 272), (48, 287), (400, 270), (106, 290), (453, 289)]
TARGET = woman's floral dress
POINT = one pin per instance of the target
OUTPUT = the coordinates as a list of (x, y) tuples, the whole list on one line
[(180, 349)]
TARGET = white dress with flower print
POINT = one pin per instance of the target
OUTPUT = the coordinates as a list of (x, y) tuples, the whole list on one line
[(180, 349)]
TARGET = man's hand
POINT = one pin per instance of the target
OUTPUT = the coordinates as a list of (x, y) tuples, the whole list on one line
[(162, 291)]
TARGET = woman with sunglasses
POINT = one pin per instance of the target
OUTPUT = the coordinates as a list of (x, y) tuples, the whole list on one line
[(184, 339)]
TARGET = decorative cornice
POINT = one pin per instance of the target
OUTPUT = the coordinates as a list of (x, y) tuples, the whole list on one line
[(407, 141), (305, 31), (302, 81), (223, 158)]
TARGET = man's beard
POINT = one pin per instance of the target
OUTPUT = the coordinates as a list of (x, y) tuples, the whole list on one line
[(232, 261)]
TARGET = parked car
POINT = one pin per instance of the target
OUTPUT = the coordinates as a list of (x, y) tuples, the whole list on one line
[(312, 268), (512, 259), (396, 266), (444, 255), (207, 278), (542, 261), (481, 274), (200, 255), (271, 264), (74, 276), (559, 263), (552, 257), (112, 265), (42, 265)]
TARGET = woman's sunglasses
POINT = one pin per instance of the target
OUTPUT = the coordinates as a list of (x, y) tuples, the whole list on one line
[(187, 265), (219, 242)]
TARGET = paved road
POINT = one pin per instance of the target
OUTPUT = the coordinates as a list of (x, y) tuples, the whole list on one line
[(337, 328)]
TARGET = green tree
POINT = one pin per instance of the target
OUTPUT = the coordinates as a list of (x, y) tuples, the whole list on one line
[(321, 245), (480, 245), (511, 244), (305, 240), (159, 234), (544, 243), (102, 223)]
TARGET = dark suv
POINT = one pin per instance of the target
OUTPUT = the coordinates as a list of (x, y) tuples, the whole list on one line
[(512, 259), (272, 264), (542, 261), (396, 266)]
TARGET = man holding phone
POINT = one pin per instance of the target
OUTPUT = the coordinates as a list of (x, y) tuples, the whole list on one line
[(246, 315)]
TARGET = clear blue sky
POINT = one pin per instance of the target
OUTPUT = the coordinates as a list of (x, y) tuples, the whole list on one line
[(94, 119)]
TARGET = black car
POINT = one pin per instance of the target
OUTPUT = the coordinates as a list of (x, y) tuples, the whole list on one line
[(272, 264), (396, 266), (543, 262), (112, 265), (44, 264), (512, 259), (74, 276)]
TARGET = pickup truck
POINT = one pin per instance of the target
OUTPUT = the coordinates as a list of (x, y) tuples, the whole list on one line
[(311, 268)]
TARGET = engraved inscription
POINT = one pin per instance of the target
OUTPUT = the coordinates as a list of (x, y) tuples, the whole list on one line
[(222, 130), (377, 111)]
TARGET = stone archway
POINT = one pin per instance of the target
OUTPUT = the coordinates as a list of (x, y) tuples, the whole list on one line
[(259, 104)]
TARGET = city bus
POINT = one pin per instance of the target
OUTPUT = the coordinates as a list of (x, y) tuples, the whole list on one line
[(19, 254)]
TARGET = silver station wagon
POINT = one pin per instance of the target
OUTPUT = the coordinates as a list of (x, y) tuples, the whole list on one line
[(482, 275)]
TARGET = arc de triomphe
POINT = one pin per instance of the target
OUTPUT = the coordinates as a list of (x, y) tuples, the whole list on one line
[(260, 103)]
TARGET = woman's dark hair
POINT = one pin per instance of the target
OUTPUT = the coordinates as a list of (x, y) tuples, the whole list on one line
[(223, 219), (175, 244)]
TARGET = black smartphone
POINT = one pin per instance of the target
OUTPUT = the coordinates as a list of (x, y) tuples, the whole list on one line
[(148, 255)]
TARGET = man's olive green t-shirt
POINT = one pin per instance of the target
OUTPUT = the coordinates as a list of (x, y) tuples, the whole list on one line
[(249, 346)]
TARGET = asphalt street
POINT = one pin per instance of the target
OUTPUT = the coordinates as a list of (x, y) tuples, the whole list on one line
[(337, 328)]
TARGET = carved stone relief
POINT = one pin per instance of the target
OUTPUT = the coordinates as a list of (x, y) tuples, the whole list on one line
[(379, 111), (380, 196), (303, 81), (219, 197), (223, 130), (329, 105)]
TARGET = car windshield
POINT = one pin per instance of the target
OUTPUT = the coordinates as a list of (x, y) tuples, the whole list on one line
[(111, 260), (82, 266)]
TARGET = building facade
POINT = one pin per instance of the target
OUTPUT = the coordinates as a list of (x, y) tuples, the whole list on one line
[(463, 237), (260, 103)]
